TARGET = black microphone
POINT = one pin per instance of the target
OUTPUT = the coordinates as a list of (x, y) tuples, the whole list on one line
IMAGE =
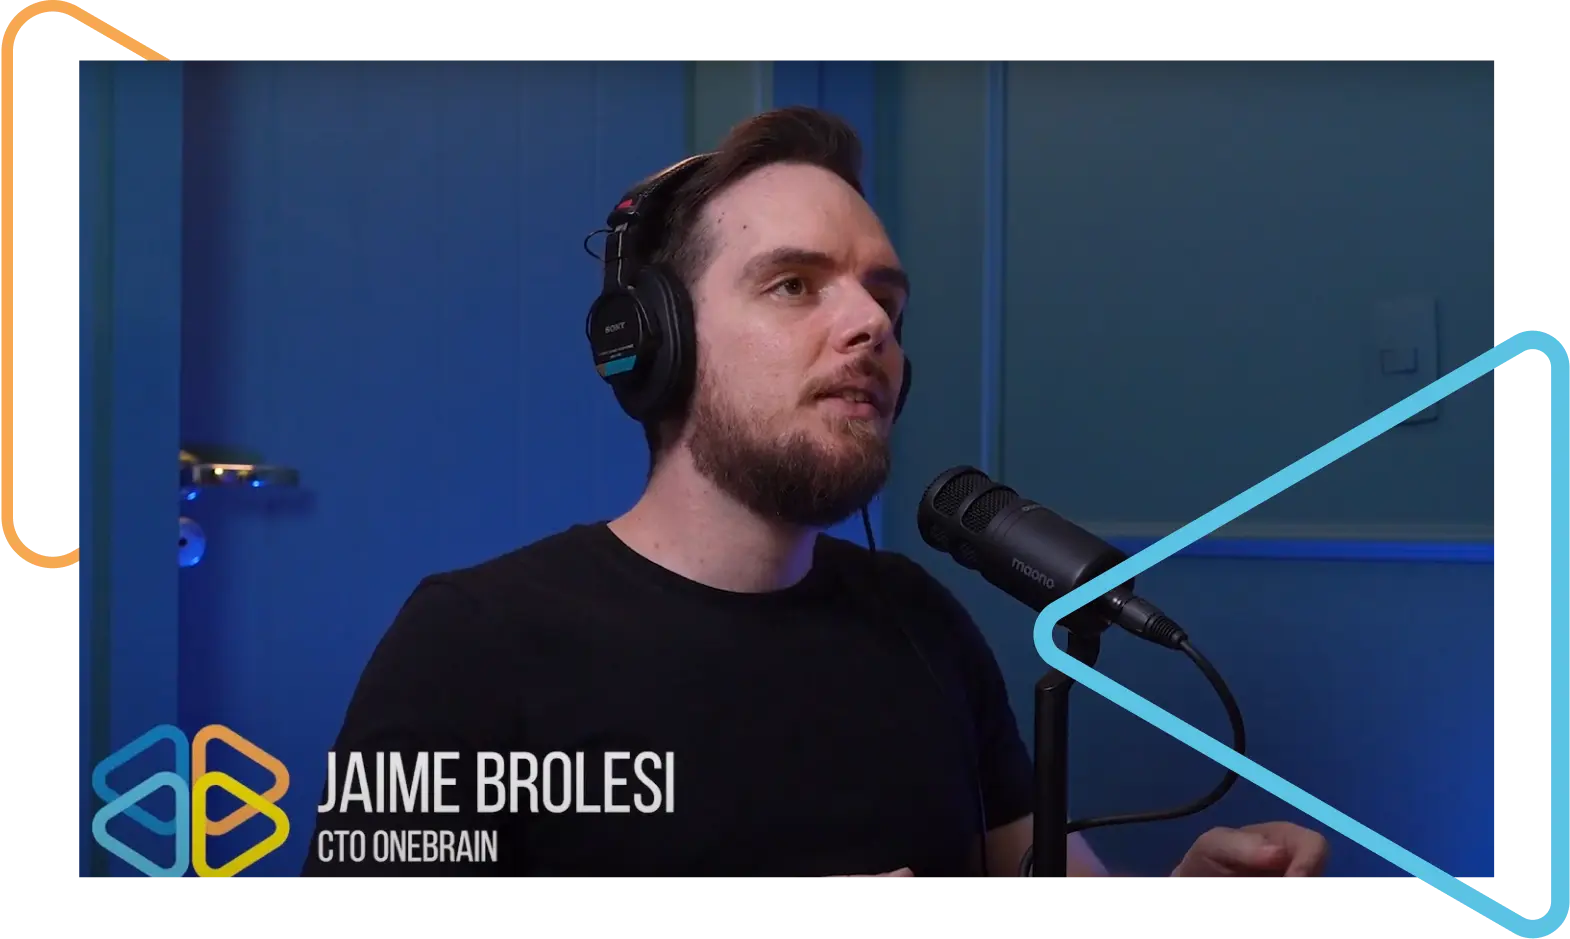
[(1033, 554), (1037, 556)]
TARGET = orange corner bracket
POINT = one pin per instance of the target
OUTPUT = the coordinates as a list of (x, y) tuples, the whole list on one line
[(7, 397)]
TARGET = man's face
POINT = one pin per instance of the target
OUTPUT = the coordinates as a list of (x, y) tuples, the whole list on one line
[(798, 369)]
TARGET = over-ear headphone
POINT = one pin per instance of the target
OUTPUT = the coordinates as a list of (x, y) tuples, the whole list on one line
[(641, 333), (640, 326)]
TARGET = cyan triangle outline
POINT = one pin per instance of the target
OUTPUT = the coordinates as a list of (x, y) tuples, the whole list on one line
[(1559, 610), (117, 759), (121, 806)]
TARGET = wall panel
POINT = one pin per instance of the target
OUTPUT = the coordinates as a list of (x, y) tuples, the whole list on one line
[(1180, 303)]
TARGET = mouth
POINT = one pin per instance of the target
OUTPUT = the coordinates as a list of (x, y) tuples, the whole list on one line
[(857, 400)]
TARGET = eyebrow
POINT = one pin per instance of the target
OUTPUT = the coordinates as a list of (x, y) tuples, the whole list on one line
[(760, 265)]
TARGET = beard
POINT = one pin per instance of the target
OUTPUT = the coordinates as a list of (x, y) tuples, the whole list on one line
[(796, 477)]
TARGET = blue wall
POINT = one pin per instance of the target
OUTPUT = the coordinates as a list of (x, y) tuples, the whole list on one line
[(130, 365), (385, 285), (1143, 288), (375, 273)]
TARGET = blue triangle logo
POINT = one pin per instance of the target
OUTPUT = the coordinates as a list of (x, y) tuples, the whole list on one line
[(123, 805)]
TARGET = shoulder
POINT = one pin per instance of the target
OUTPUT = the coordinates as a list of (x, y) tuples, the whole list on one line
[(515, 580), (932, 614), (908, 582), (454, 651), (563, 552), (911, 591), (474, 612)]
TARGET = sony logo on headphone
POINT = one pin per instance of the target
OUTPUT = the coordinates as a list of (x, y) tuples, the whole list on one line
[(615, 327)]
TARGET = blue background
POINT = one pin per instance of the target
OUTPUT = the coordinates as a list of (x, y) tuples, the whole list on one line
[(1139, 290)]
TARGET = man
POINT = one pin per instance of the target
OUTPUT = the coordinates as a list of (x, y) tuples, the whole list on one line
[(726, 691)]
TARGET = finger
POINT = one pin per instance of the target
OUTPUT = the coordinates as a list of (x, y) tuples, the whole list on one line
[(1309, 857), (1243, 850), (1309, 850), (905, 873)]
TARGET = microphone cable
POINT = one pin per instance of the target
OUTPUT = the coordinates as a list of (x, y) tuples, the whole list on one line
[(1169, 635), (966, 726)]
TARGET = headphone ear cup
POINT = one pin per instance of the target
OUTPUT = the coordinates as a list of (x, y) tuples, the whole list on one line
[(668, 313), (904, 390), (619, 338)]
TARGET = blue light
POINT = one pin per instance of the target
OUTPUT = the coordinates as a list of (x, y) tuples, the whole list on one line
[(1317, 549), (193, 543)]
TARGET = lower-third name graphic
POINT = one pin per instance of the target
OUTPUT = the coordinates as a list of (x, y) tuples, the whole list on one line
[(419, 783), (406, 847)]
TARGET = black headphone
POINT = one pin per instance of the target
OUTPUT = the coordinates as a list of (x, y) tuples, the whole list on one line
[(640, 327), (640, 331)]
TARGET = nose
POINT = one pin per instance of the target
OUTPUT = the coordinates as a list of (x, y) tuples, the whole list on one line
[(864, 325)]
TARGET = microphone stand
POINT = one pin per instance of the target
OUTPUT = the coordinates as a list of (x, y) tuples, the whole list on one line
[(1049, 847)]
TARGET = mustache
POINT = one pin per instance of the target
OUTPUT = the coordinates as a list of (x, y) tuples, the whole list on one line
[(855, 373)]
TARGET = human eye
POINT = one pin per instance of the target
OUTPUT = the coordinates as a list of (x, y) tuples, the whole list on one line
[(792, 287)]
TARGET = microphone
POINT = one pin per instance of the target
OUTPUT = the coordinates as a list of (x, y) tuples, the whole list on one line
[(1037, 556), (1033, 554)]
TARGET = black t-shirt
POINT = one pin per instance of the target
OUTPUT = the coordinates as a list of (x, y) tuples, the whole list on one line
[(796, 732)]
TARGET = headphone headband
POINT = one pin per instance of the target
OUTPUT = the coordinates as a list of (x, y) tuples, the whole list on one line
[(640, 327), (639, 219)]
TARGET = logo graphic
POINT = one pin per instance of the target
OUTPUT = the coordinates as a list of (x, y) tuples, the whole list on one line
[(1558, 623), (190, 781)]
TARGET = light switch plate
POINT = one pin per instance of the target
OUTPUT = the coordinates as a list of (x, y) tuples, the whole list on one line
[(1403, 354)]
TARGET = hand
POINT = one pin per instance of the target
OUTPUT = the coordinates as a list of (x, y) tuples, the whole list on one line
[(1273, 849)]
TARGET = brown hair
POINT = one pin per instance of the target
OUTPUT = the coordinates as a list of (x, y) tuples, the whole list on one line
[(785, 135)]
